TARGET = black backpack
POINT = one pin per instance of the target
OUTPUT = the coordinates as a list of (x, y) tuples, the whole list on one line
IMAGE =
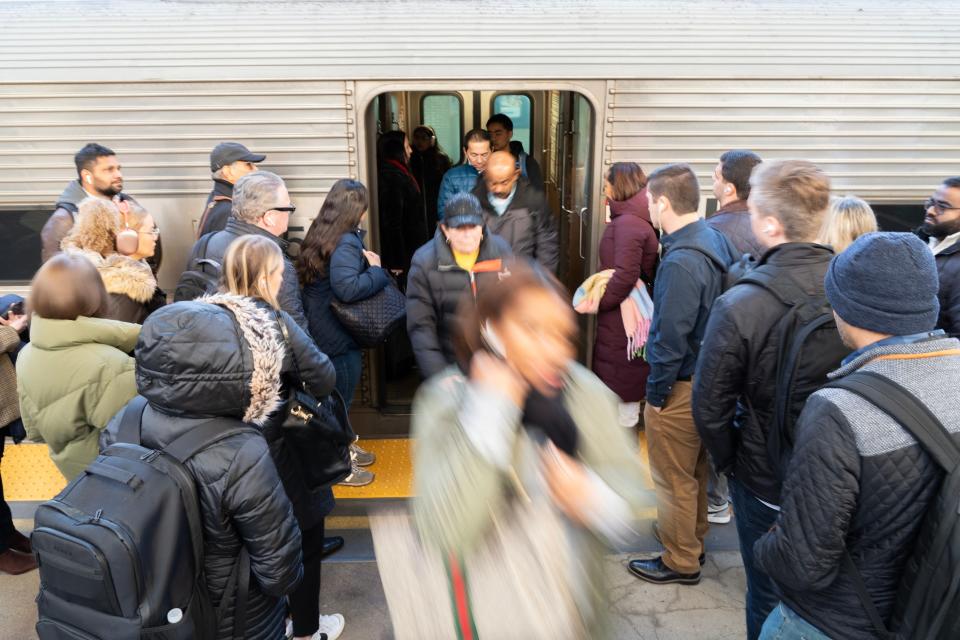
[(809, 347), (202, 276), (928, 600), (120, 549)]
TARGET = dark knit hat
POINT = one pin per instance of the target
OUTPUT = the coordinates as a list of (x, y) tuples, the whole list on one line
[(887, 283)]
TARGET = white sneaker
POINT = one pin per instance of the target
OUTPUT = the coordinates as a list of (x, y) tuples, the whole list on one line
[(719, 514), (331, 625)]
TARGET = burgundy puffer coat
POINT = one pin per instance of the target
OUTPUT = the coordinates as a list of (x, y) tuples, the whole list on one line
[(629, 246)]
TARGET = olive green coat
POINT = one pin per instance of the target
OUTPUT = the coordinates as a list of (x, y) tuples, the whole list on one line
[(71, 379)]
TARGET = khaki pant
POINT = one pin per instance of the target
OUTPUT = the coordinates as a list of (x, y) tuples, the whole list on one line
[(680, 470)]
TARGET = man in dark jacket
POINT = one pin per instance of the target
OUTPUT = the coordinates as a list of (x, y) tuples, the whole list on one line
[(229, 161), (731, 186), (98, 176), (500, 128), (858, 482), (261, 206), (518, 213), (737, 368), (941, 228), (458, 261), (689, 279)]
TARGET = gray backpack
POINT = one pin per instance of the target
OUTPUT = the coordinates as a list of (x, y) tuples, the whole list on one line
[(120, 549), (928, 601)]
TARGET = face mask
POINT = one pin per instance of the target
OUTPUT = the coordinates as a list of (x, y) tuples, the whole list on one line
[(500, 204)]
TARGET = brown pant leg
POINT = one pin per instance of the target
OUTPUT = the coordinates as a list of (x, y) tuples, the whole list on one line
[(679, 465)]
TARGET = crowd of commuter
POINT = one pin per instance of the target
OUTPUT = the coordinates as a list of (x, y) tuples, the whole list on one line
[(735, 341)]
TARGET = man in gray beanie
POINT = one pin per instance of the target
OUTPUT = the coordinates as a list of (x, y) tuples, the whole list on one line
[(858, 482)]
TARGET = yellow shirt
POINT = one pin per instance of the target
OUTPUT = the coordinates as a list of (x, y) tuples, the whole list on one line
[(466, 260)]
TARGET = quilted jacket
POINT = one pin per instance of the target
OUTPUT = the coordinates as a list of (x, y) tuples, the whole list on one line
[(733, 221), (197, 360), (858, 482), (738, 359)]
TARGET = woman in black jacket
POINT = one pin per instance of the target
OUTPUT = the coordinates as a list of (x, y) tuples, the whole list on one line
[(333, 264), (462, 257), (253, 275), (403, 219), (428, 163), (221, 357)]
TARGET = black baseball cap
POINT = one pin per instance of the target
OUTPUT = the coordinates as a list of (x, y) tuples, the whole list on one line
[(229, 152), (462, 210)]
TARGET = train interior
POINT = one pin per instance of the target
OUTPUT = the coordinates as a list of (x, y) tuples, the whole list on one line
[(557, 128)]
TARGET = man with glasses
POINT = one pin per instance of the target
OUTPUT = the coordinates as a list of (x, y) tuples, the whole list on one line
[(261, 206), (941, 228), (229, 161)]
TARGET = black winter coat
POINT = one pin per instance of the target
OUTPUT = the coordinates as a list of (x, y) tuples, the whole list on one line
[(193, 363), (733, 221), (217, 208), (858, 482), (948, 268), (349, 278), (434, 290), (739, 358), (428, 168), (527, 225), (216, 249), (403, 219)]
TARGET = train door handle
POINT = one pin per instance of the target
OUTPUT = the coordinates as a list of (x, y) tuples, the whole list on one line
[(581, 214)]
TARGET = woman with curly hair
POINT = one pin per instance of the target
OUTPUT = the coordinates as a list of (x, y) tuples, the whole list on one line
[(118, 238)]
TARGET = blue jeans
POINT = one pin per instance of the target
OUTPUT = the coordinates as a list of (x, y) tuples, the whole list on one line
[(753, 519), (785, 624), (348, 367)]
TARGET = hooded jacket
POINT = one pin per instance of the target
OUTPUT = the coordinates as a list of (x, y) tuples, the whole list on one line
[(216, 249), (733, 221), (130, 283), (629, 247), (72, 378), (689, 279), (223, 356), (58, 225), (739, 359), (216, 210), (527, 224), (434, 290), (859, 483)]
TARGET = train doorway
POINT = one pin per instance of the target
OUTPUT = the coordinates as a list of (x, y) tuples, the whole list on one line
[(556, 128)]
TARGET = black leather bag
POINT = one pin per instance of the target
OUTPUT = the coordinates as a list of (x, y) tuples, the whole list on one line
[(316, 433), (371, 321)]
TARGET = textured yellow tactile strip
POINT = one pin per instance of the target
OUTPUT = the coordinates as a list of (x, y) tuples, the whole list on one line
[(29, 474)]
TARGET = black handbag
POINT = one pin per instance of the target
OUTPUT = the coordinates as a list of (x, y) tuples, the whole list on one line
[(371, 321), (317, 434)]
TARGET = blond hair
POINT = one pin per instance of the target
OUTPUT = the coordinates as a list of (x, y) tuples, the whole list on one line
[(849, 218), (98, 223), (248, 265), (795, 192)]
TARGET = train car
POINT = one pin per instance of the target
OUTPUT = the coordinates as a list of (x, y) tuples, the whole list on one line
[(868, 90)]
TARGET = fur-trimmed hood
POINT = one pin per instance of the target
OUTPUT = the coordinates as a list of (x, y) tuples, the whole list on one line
[(121, 274), (220, 355)]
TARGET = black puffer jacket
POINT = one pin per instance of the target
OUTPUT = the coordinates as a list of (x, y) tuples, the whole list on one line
[(434, 289), (194, 361), (858, 482), (948, 267), (527, 225), (739, 358), (216, 249)]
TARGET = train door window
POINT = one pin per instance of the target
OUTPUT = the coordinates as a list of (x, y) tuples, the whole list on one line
[(901, 216), (21, 256), (444, 112), (519, 108)]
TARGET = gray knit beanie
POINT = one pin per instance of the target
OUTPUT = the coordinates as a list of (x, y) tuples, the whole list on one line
[(887, 283)]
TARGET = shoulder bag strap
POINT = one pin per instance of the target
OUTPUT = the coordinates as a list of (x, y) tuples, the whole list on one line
[(238, 582), (202, 436), (131, 419), (286, 343)]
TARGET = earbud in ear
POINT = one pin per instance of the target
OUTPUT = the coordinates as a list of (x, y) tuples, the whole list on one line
[(88, 179), (728, 191), (768, 230)]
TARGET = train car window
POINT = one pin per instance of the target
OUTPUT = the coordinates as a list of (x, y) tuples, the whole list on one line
[(20, 227), (902, 216), (519, 108), (444, 112)]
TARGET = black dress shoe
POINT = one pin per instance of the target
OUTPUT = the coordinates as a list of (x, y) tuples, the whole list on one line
[(656, 536), (331, 545), (653, 570)]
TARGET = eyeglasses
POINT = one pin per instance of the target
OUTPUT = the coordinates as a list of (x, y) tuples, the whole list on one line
[(939, 206), (289, 209), (155, 232)]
